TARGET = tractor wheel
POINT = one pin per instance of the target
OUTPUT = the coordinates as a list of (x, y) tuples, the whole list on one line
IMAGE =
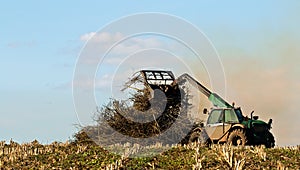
[(199, 137), (237, 138), (195, 137), (270, 141)]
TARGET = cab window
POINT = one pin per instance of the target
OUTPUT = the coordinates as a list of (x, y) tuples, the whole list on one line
[(230, 117), (216, 116)]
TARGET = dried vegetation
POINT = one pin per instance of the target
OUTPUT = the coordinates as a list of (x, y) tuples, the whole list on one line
[(193, 156)]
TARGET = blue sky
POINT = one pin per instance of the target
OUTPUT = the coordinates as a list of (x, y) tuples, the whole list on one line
[(40, 43)]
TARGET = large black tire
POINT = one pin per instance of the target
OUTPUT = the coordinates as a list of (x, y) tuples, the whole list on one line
[(270, 141), (237, 138)]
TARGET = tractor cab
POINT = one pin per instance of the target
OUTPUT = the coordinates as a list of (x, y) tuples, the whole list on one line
[(219, 122)]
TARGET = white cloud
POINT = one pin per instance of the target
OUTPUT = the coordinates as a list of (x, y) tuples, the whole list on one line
[(99, 43), (102, 37), (130, 55), (125, 58)]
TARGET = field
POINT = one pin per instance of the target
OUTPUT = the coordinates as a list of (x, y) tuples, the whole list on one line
[(72, 155)]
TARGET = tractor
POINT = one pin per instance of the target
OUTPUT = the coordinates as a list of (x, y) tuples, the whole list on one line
[(226, 123)]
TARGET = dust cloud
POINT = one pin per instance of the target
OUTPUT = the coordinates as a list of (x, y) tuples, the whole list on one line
[(267, 81)]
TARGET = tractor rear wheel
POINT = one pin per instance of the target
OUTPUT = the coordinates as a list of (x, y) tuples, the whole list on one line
[(237, 138)]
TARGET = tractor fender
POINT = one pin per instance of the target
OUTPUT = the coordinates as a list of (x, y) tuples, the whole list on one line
[(236, 126), (197, 129)]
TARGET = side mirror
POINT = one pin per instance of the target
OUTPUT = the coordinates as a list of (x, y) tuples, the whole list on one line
[(205, 111)]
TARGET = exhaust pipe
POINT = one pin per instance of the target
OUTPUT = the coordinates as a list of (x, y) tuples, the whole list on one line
[(251, 114), (270, 123)]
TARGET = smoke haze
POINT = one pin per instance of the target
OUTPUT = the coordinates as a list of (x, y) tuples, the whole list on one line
[(266, 79)]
